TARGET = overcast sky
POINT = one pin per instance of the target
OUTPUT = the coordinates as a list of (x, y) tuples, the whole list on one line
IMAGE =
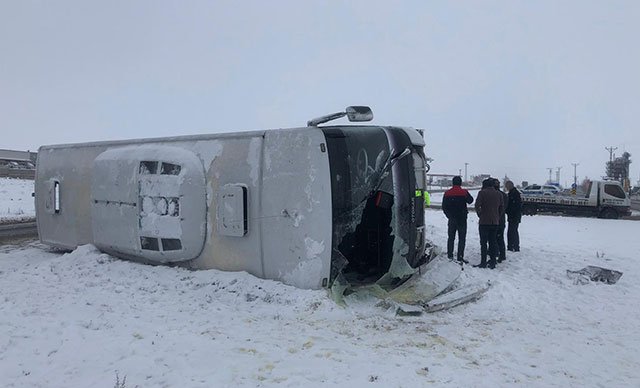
[(511, 87)]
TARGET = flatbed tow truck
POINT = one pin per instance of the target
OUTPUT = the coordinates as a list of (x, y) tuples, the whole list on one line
[(603, 199)]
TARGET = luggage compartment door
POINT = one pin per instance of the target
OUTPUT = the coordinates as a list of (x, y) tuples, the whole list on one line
[(149, 202)]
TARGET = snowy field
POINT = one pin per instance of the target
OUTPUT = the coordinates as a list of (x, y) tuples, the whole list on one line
[(436, 198), (75, 320), (16, 202)]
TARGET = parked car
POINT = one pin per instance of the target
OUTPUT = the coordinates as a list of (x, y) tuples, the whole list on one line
[(541, 190)]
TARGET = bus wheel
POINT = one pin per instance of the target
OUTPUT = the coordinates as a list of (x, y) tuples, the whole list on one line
[(609, 213)]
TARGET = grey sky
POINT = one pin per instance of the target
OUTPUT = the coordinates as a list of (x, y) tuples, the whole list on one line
[(511, 87)]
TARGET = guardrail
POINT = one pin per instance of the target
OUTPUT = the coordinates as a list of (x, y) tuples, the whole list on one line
[(17, 173), (438, 207), (18, 230)]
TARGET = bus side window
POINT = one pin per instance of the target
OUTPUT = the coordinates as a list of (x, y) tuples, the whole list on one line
[(56, 197), (52, 204)]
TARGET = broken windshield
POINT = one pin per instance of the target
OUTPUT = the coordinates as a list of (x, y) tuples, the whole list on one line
[(373, 189), (357, 156)]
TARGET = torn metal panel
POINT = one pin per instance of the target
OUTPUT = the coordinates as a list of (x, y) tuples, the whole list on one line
[(592, 273), (456, 297), (434, 287)]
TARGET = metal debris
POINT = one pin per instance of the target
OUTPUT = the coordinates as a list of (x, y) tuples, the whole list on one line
[(592, 273)]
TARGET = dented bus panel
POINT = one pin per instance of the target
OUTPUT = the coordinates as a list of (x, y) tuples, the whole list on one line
[(306, 206)]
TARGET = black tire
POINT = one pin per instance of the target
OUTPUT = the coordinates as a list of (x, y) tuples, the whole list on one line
[(528, 210), (609, 213)]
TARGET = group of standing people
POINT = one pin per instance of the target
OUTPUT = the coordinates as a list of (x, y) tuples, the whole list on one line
[(494, 208)]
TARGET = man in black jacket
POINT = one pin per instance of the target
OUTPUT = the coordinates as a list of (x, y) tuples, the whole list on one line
[(514, 215), (502, 256), (454, 205)]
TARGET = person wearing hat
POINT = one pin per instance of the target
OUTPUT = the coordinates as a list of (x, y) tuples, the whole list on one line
[(514, 216)]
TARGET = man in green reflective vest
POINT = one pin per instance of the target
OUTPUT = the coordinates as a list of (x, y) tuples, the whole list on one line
[(427, 197)]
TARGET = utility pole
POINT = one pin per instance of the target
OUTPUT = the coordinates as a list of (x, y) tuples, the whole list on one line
[(465, 171), (550, 172), (558, 174), (459, 171), (611, 150), (575, 175)]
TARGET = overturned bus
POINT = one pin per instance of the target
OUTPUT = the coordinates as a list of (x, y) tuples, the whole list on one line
[(309, 206)]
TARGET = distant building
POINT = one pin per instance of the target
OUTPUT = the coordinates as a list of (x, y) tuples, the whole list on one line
[(442, 180), (18, 155), (618, 168), (17, 160)]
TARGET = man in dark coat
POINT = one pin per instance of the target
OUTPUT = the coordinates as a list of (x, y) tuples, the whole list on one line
[(502, 254), (454, 205), (489, 206), (514, 216)]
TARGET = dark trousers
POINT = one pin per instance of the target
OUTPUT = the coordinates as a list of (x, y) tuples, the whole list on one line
[(502, 254), (488, 235), (458, 225), (513, 237)]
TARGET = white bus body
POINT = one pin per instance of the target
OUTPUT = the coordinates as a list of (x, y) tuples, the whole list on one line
[(305, 206)]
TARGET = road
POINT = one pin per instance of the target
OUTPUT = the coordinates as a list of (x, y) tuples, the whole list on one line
[(18, 231)]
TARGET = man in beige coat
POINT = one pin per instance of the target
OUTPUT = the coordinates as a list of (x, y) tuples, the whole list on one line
[(489, 206)]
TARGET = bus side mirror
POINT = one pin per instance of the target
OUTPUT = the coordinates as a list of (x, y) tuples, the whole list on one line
[(359, 113), (353, 113)]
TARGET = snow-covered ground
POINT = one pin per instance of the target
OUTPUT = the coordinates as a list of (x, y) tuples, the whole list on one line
[(75, 320), (16, 202)]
